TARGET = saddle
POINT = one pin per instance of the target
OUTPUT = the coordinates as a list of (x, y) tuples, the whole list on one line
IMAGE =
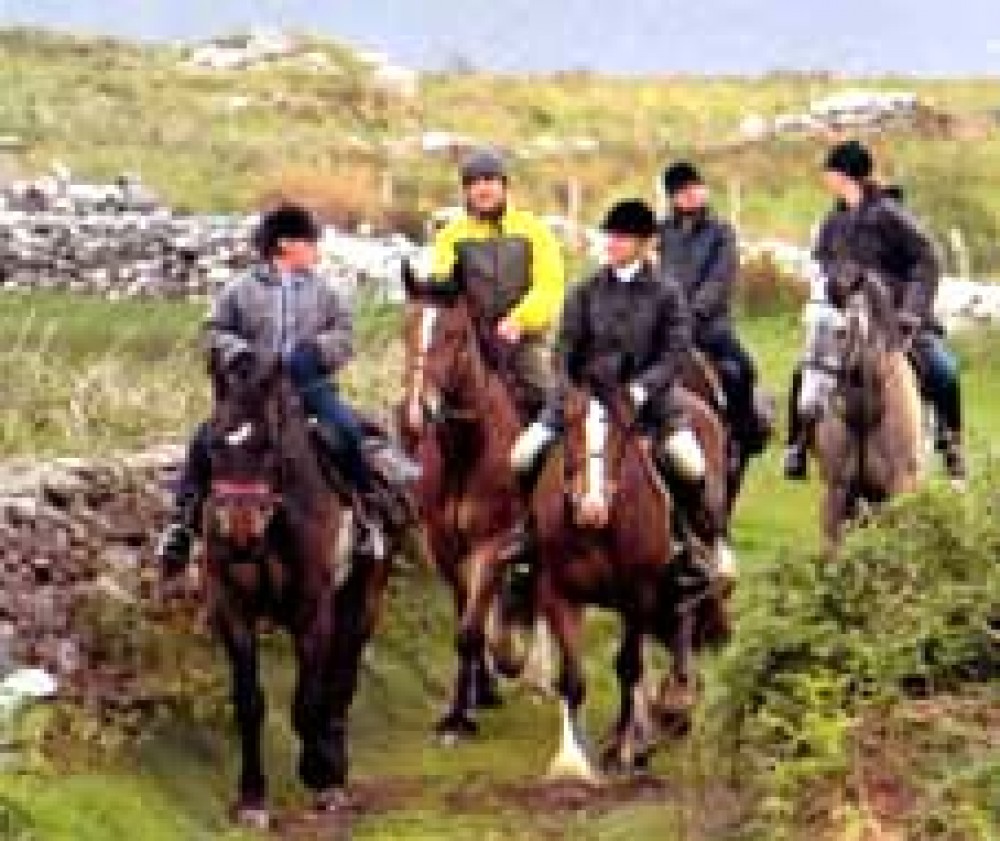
[(387, 499)]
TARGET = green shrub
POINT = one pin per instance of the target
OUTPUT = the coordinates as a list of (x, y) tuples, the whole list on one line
[(906, 611)]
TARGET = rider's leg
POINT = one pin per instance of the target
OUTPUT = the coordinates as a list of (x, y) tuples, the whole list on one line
[(942, 386), (796, 457), (532, 363), (174, 548), (738, 375), (687, 474), (527, 461)]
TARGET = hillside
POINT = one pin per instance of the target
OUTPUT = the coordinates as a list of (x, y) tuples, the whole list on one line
[(324, 121)]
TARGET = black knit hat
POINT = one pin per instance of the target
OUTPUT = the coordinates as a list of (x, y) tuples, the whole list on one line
[(679, 175), (287, 221), (850, 158), (631, 217), (483, 163)]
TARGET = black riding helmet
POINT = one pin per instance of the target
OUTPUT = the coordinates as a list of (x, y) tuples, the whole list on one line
[(287, 221), (680, 175), (850, 158), (630, 217)]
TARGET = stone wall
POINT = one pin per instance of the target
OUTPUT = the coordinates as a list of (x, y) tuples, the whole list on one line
[(70, 529)]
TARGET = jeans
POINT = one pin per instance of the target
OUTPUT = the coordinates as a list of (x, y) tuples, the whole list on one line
[(322, 400), (937, 370)]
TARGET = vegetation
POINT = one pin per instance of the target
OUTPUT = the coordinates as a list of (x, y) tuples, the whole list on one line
[(857, 701), (225, 140), (852, 697)]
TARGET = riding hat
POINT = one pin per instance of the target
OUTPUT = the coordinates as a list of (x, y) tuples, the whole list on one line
[(483, 163), (850, 158), (679, 175), (631, 217), (287, 221)]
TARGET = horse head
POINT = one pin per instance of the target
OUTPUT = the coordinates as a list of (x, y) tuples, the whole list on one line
[(598, 423), (245, 445), (445, 371)]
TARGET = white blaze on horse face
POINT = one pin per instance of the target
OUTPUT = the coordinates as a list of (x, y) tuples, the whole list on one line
[(240, 435), (859, 317), (595, 437), (428, 321)]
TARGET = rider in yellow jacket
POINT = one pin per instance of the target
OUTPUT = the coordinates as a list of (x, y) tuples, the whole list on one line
[(511, 267)]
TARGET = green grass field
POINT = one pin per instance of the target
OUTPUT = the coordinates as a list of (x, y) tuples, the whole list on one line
[(175, 783)]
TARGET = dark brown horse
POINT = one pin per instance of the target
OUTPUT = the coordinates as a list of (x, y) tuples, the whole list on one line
[(463, 422), (277, 549), (606, 535)]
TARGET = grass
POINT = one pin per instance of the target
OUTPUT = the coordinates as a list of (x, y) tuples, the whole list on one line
[(175, 783)]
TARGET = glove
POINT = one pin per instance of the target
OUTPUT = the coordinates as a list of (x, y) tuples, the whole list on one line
[(637, 391)]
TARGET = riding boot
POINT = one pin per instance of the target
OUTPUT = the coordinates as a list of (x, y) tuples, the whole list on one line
[(796, 465), (528, 459), (716, 563), (954, 456), (173, 549)]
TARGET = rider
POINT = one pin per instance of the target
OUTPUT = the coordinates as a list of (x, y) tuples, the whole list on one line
[(869, 228), (281, 309), (629, 327), (511, 268), (699, 251)]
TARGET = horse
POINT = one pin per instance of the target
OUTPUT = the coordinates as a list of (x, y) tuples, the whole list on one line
[(462, 422), (606, 537), (278, 550), (868, 436)]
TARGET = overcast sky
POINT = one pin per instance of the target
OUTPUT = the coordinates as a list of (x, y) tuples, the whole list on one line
[(623, 36)]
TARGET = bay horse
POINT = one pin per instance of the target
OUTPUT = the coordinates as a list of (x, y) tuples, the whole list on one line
[(461, 421), (868, 436), (606, 538), (277, 549)]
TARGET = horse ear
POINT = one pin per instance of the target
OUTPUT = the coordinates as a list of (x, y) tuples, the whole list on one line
[(411, 285)]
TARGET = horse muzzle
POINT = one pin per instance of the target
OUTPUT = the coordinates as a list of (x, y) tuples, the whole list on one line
[(242, 511)]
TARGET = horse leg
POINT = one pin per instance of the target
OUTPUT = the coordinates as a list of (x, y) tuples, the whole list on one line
[(678, 693), (623, 750), (470, 643), (240, 641), (572, 760), (357, 608), (836, 510), (320, 765)]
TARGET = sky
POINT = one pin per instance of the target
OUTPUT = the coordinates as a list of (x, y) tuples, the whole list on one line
[(612, 36)]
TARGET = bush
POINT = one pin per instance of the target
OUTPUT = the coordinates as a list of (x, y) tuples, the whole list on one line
[(766, 289), (907, 610)]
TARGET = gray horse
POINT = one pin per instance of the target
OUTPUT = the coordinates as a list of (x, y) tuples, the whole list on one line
[(861, 393)]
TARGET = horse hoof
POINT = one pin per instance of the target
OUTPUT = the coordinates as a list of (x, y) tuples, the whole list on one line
[(453, 728), (489, 699), (332, 801), (252, 816)]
